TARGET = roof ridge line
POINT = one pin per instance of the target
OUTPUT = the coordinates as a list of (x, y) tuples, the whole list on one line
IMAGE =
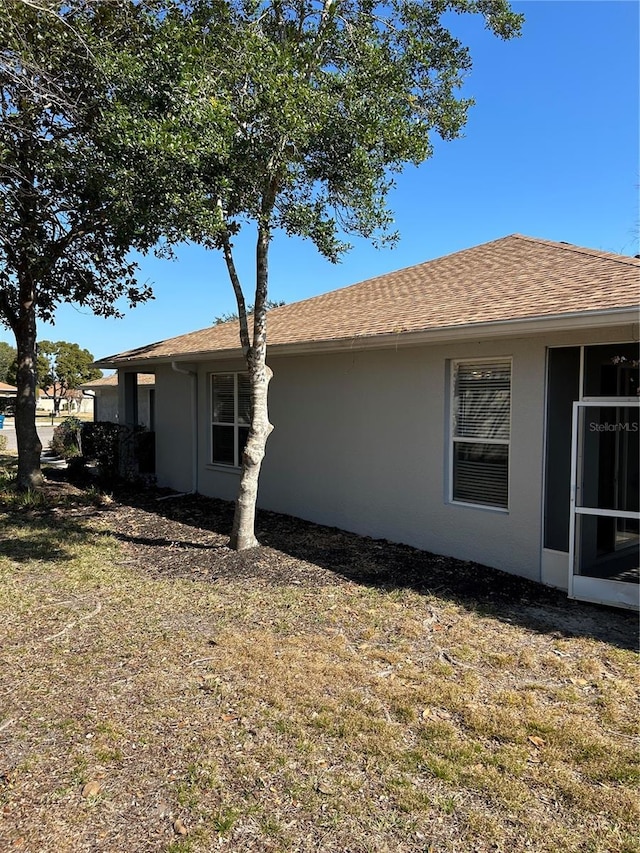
[(604, 254)]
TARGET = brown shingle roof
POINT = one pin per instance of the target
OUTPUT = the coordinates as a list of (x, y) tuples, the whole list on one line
[(513, 278), (112, 381), (7, 388)]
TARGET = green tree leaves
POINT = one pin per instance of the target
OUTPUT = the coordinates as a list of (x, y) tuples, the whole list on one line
[(135, 125), (323, 102), (7, 358), (80, 182), (63, 366)]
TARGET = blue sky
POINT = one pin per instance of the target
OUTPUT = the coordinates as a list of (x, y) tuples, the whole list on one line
[(550, 150)]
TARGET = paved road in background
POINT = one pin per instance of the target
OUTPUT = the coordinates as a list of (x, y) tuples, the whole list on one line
[(45, 433)]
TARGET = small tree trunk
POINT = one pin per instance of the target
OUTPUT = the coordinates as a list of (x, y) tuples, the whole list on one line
[(243, 531), (29, 445)]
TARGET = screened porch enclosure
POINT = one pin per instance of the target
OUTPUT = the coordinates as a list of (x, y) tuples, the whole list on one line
[(592, 508)]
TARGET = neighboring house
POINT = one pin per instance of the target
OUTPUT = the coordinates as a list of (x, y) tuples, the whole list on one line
[(104, 392), (72, 402), (7, 397), (433, 406)]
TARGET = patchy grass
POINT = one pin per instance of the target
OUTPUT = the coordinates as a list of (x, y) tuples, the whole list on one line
[(8, 466), (251, 711), (52, 497)]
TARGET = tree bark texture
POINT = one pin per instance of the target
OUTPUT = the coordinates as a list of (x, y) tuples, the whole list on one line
[(29, 445), (243, 530), (21, 316)]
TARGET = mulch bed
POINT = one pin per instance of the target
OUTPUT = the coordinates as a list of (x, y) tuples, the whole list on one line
[(186, 536)]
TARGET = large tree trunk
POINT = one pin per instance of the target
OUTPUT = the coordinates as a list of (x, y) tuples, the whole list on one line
[(29, 445), (243, 531)]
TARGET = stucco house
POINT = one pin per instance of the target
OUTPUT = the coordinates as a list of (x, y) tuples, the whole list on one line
[(7, 397), (73, 401), (104, 392), (483, 405)]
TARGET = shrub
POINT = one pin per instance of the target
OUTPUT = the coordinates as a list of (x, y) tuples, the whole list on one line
[(3, 443), (101, 442), (66, 440), (119, 451)]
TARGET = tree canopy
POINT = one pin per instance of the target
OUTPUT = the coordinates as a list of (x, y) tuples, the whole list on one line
[(86, 165), (326, 100), (62, 367), (7, 358), (92, 160), (129, 125)]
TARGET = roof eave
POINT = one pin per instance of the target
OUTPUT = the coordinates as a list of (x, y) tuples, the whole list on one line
[(493, 329), (479, 331)]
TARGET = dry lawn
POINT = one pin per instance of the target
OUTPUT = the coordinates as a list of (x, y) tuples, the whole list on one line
[(322, 693)]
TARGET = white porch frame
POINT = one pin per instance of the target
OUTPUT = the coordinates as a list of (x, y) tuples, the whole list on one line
[(596, 590)]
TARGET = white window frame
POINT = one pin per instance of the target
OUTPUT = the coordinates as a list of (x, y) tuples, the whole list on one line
[(453, 439), (237, 462)]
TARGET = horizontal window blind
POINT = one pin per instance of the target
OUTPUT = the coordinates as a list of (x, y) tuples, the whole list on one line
[(482, 401), (481, 474), (230, 417), (223, 398), (481, 430), (244, 399)]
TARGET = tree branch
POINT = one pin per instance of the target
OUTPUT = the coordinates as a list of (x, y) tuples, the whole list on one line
[(7, 310), (262, 252), (235, 280)]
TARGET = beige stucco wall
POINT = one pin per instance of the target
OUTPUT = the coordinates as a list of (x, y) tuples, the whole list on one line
[(361, 442), (174, 434), (106, 404), (106, 407)]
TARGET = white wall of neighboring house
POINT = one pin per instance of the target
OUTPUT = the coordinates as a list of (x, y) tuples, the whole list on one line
[(361, 442), (83, 405)]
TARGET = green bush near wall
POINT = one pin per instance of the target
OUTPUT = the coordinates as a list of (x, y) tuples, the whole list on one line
[(118, 451), (67, 438)]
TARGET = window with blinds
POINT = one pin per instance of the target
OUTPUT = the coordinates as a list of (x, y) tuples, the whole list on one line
[(481, 430), (230, 417)]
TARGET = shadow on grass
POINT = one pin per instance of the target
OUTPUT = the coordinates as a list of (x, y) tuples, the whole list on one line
[(9, 462), (371, 562), (39, 525), (30, 538), (162, 542)]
